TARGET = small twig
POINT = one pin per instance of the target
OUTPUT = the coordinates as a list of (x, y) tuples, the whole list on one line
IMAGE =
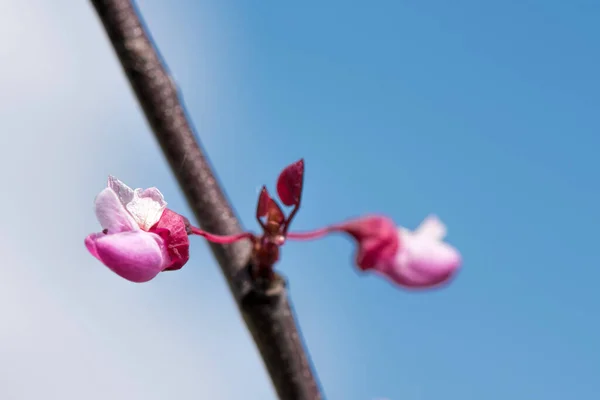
[(266, 310)]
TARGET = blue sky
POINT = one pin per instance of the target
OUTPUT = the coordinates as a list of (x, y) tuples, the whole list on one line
[(483, 113)]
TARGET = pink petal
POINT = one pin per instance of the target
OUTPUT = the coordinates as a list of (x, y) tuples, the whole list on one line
[(136, 256), (423, 262), (376, 237), (172, 228), (111, 214)]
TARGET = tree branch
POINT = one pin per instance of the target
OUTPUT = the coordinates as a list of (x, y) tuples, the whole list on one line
[(266, 310)]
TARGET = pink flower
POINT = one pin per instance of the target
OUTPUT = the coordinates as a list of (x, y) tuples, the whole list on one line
[(418, 259), (140, 236)]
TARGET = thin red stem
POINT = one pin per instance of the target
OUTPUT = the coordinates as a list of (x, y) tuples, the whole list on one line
[(221, 239), (316, 234)]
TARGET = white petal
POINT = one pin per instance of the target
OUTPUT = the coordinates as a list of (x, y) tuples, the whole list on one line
[(146, 207), (123, 192), (431, 227)]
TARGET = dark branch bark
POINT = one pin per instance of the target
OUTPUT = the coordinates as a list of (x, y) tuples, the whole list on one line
[(267, 312)]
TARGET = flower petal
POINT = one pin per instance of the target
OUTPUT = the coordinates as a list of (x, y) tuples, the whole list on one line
[(423, 262), (376, 237), (123, 192), (146, 207), (136, 256), (431, 227), (111, 214), (90, 243), (172, 228)]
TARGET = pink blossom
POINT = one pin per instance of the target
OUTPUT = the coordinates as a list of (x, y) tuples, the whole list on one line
[(417, 259), (140, 236)]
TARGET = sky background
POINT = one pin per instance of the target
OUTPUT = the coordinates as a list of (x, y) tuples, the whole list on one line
[(484, 113)]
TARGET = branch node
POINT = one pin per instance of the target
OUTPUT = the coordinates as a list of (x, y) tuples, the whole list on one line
[(259, 290)]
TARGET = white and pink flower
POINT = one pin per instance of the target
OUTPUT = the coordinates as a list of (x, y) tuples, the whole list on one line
[(140, 236)]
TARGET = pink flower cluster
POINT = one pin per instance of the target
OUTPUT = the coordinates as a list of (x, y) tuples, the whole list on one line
[(141, 237)]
